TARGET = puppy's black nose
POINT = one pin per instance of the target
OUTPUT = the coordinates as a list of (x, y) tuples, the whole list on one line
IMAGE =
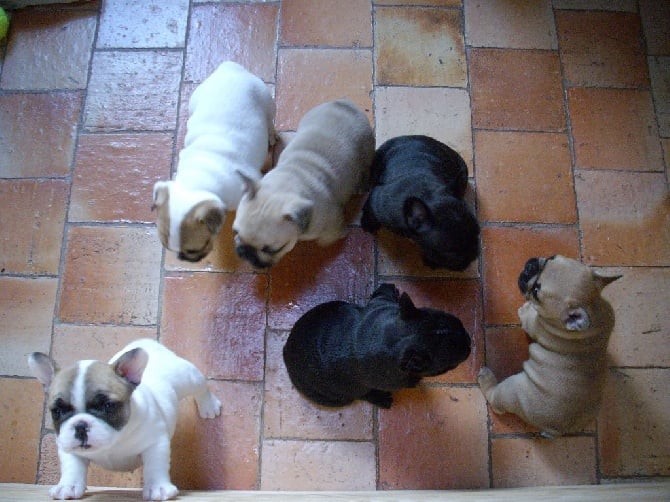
[(191, 258), (249, 254), (532, 268), (81, 432)]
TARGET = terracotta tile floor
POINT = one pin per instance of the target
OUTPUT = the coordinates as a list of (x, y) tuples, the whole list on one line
[(565, 130)]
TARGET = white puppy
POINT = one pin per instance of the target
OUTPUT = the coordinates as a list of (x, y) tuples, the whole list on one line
[(303, 197), (229, 128), (120, 415)]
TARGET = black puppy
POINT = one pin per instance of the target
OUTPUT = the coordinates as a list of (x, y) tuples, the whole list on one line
[(418, 184), (339, 352)]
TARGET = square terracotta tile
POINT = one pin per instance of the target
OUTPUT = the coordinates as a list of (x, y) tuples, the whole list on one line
[(287, 414), (151, 24), (461, 298), (220, 453), (543, 462), (111, 275), (23, 401), (417, 46), (308, 77), (26, 311), (245, 33), (217, 321), (513, 24), (443, 114), (317, 465), (624, 218), (310, 275), (525, 94), (125, 192), (49, 469), (524, 177), (614, 129), (591, 56), (347, 24), (136, 91), (37, 134), (504, 254), (641, 335), (633, 426), (449, 442), (655, 21), (33, 213), (48, 49), (72, 342), (659, 69)]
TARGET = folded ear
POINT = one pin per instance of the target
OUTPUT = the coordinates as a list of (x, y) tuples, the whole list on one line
[(418, 217), (211, 214), (250, 185), (576, 319), (603, 281), (299, 211), (407, 308), (131, 365), (43, 368), (161, 194), (414, 360)]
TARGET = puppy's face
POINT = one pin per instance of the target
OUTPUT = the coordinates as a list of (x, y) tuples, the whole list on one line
[(188, 222), (89, 401), (439, 342), (446, 231), (268, 225), (562, 291)]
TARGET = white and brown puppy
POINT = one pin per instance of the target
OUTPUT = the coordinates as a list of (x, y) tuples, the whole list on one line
[(120, 414), (560, 387), (229, 129), (303, 197)]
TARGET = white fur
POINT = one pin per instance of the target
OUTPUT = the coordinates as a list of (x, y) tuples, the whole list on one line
[(229, 129), (145, 439)]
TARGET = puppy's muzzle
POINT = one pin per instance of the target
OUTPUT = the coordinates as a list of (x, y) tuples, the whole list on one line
[(250, 254), (191, 257), (531, 270)]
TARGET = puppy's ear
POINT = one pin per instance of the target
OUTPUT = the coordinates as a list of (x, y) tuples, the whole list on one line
[(131, 365), (43, 368), (299, 211), (161, 194), (407, 308), (211, 214), (602, 281), (250, 185), (414, 360), (576, 319), (418, 217)]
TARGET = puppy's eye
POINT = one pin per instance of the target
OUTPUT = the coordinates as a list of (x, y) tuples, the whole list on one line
[(534, 291), (61, 410), (101, 403), (269, 250)]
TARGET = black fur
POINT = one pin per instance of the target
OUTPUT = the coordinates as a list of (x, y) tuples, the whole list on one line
[(418, 184), (339, 352)]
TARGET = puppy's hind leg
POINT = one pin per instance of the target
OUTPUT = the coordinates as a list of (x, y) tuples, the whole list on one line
[(192, 382)]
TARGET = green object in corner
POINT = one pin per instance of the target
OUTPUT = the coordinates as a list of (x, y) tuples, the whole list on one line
[(4, 23)]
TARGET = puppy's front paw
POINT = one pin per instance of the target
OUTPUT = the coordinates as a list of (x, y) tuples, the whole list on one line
[(67, 491), (486, 378), (160, 491), (208, 406)]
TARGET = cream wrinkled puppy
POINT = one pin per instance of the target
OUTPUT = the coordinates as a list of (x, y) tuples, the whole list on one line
[(559, 390), (303, 197), (229, 129)]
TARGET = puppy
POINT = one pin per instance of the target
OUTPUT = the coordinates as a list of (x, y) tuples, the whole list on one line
[(338, 352), (228, 132), (559, 389), (303, 197), (120, 415), (418, 184)]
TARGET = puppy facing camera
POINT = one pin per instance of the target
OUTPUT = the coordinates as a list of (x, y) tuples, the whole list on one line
[(303, 197), (560, 387), (229, 129), (120, 414), (339, 352), (418, 185)]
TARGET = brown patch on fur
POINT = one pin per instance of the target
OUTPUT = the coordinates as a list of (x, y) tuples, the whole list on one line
[(61, 387), (198, 228)]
